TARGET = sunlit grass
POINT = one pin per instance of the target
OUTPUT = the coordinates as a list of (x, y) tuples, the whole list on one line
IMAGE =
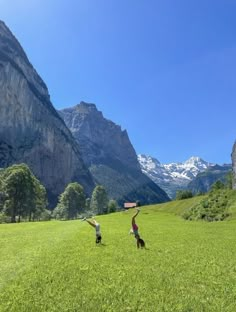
[(56, 266)]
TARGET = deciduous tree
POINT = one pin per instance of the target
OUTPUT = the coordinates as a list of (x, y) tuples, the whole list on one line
[(99, 200)]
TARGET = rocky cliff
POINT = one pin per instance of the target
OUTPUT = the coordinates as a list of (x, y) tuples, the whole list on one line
[(233, 157), (101, 140), (111, 158), (31, 131)]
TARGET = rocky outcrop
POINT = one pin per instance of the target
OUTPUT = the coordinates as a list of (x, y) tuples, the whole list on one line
[(31, 131), (233, 157), (110, 156)]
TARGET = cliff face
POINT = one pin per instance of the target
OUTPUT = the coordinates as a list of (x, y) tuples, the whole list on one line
[(233, 157), (101, 140), (110, 156), (31, 131)]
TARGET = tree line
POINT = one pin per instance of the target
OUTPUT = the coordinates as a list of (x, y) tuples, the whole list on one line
[(24, 198)]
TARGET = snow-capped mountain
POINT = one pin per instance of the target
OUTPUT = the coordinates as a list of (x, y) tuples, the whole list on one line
[(174, 176)]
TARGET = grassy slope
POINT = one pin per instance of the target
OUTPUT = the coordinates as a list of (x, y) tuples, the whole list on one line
[(55, 266), (176, 207)]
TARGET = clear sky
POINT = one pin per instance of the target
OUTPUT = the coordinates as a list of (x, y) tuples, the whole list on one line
[(164, 70)]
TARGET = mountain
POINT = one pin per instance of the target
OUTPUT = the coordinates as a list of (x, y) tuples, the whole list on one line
[(110, 156), (31, 131), (204, 180), (174, 176)]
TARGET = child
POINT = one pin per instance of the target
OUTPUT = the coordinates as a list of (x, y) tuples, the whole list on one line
[(140, 241), (96, 225)]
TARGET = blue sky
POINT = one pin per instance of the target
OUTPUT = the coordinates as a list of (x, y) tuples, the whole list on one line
[(164, 70)]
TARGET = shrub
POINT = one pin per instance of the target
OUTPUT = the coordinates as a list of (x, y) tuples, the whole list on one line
[(4, 218), (183, 194), (212, 208)]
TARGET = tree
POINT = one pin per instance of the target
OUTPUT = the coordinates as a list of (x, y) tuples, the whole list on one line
[(23, 192), (2, 193), (87, 204), (218, 185), (99, 200), (71, 202), (183, 194), (112, 206)]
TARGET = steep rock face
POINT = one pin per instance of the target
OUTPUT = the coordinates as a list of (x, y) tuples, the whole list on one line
[(233, 157), (108, 152), (100, 140), (31, 131)]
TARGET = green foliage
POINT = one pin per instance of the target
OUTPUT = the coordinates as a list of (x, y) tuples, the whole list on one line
[(214, 207), (4, 218), (45, 215), (2, 193), (87, 204), (99, 200), (60, 213), (24, 196), (71, 202), (229, 180), (183, 194), (218, 185), (112, 206)]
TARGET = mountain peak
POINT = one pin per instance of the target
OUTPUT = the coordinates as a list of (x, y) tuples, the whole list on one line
[(84, 107), (172, 176), (194, 160)]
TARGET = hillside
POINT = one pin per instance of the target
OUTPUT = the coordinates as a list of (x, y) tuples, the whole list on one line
[(178, 207)]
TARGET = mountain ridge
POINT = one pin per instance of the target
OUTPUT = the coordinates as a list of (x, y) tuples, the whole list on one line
[(110, 156), (173, 176)]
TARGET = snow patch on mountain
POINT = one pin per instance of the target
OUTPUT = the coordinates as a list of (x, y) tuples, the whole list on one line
[(172, 176)]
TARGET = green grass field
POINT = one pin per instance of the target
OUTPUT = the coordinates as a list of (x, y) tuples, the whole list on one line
[(56, 266)]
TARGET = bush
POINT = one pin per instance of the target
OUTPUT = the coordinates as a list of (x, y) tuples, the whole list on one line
[(4, 218), (46, 215), (183, 194), (212, 208)]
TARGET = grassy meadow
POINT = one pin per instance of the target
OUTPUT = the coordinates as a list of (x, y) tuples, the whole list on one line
[(56, 266)]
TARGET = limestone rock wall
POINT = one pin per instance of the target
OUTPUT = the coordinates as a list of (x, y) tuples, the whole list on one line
[(31, 131)]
